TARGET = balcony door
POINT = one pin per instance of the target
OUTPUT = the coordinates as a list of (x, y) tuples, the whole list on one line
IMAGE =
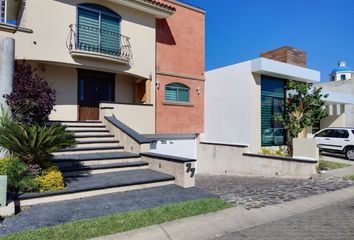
[(98, 29), (93, 88)]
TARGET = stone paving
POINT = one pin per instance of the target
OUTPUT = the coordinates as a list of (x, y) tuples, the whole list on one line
[(335, 221), (256, 192), (48, 214)]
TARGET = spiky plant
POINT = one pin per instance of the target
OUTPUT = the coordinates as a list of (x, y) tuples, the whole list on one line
[(33, 144)]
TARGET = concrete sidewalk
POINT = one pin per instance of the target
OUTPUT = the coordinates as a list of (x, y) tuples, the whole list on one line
[(217, 224), (342, 172)]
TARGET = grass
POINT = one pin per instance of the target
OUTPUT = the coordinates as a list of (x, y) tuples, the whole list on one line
[(351, 177), (122, 222), (331, 165)]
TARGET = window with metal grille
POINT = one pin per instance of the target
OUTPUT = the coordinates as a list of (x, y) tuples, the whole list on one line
[(3, 11), (177, 92), (9, 11), (98, 29)]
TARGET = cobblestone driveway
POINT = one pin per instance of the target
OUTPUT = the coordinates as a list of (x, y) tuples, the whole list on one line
[(256, 192), (335, 221)]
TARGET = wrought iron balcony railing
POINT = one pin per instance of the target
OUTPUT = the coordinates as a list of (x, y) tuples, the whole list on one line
[(99, 40)]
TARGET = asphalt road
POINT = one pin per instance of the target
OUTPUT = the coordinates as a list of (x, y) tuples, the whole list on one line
[(335, 221)]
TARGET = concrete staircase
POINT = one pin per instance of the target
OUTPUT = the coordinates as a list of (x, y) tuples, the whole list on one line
[(97, 165)]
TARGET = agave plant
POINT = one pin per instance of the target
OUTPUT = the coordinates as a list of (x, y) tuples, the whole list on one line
[(33, 144)]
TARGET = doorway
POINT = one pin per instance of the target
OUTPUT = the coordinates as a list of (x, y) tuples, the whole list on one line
[(94, 87)]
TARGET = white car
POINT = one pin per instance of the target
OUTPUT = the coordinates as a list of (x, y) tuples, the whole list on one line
[(338, 140)]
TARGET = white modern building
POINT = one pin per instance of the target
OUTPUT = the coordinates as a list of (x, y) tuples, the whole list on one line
[(242, 99)]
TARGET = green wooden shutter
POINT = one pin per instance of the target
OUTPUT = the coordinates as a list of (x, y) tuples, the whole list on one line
[(171, 94), (88, 30), (110, 37), (177, 92)]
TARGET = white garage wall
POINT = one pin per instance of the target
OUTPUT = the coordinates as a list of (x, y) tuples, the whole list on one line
[(185, 148), (232, 106)]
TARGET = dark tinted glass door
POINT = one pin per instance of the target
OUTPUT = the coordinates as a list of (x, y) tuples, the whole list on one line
[(93, 88)]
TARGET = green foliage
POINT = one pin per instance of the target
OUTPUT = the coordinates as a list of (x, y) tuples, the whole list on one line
[(330, 165), (33, 144), (280, 151), (351, 178), (304, 107), (50, 180), (116, 223), (15, 171)]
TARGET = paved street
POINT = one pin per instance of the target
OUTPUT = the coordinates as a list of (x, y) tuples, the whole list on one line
[(256, 192), (335, 221)]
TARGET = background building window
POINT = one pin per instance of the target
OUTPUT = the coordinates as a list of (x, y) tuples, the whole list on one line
[(342, 77), (272, 103), (9, 11), (177, 92)]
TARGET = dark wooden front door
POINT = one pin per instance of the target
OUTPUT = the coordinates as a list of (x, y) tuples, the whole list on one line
[(93, 88)]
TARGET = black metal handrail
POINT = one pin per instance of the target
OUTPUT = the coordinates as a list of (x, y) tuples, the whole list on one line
[(98, 40)]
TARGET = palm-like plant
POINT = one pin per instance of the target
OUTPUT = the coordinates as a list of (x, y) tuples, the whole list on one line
[(33, 144)]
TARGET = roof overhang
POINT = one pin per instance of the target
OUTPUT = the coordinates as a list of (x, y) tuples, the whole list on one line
[(159, 10), (277, 69), (338, 98)]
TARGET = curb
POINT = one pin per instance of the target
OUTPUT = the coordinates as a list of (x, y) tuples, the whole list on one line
[(216, 224)]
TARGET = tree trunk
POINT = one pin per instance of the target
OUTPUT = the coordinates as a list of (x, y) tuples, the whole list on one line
[(289, 144)]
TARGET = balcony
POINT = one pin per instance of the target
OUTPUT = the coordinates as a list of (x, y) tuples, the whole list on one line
[(97, 43)]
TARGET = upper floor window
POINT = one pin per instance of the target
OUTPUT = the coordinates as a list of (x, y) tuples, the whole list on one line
[(342, 77), (8, 11), (177, 92), (98, 29)]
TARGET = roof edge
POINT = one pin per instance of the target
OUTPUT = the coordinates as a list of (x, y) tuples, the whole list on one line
[(186, 5)]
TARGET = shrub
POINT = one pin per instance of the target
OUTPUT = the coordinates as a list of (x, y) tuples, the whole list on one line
[(280, 151), (32, 99), (17, 179), (50, 180), (33, 144)]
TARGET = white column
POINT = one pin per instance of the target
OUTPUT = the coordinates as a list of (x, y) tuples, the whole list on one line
[(7, 64)]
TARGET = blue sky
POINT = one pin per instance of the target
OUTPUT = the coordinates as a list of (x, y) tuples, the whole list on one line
[(239, 30)]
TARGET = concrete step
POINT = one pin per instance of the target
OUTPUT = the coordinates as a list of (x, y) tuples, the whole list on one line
[(104, 133), (84, 150), (97, 144), (85, 128), (77, 123), (92, 159), (99, 184), (93, 137), (102, 168)]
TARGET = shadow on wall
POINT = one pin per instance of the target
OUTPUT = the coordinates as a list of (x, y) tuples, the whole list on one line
[(164, 34)]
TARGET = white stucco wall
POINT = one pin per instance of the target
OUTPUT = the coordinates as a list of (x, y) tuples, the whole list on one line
[(176, 147), (64, 81), (232, 106)]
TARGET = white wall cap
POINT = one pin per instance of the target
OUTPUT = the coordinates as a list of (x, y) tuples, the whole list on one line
[(284, 70)]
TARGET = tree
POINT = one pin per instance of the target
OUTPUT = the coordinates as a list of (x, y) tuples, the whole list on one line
[(303, 108), (32, 99)]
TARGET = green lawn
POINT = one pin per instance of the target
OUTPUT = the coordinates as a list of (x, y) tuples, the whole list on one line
[(351, 177), (122, 222), (332, 165)]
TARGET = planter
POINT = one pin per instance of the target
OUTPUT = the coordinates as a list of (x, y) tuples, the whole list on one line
[(3, 190)]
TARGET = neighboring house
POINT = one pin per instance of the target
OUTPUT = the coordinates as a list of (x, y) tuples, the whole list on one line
[(180, 77), (242, 99), (341, 87), (342, 72)]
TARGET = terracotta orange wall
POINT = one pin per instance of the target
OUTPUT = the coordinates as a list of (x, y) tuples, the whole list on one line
[(180, 50)]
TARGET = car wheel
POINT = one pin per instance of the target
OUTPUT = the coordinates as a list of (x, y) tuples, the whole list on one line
[(349, 153)]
